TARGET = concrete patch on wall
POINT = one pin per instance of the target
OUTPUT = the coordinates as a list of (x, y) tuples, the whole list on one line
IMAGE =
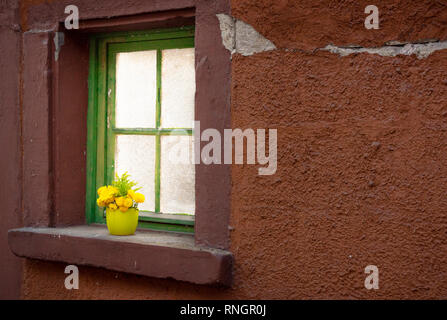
[(240, 37), (421, 50), (227, 31)]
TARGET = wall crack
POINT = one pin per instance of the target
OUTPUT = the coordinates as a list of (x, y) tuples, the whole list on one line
[(240, 37), (421, 50)]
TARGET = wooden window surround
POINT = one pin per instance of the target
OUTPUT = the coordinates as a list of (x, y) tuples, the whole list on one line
[(55, 103)]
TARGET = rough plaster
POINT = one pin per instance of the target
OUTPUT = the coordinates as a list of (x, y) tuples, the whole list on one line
[(362, 158), (314, 24), (240, 37)]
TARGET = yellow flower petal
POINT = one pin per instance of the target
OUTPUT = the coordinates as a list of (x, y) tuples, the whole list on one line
[(120, 201), (101, 190), (139, 197), (113, 206), (100, 202), (112, 190), (131, 194), (128, 202)]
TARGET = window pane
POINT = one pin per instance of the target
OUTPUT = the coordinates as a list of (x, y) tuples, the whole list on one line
[(136, 86), (177, 180), (136, 155), (178, 87)]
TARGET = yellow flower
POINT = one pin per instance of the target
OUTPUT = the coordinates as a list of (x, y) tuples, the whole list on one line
[(100, 202), (139, 197), (112, 190), (101, 190), (106, 198), (131, 194), (107, 194), (113, 206), (123, 209), (119, 201), (128, 202)]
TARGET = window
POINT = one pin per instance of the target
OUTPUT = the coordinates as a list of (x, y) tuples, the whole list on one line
[(140, 120), (62, 127)]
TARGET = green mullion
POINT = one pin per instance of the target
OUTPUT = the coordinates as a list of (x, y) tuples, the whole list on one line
[(165, 226), (158, 102), (164, 220), (133, 131), (152, 45), (110, 146), (176, 131), (90, 203), (157, 172), (157, 34), (154, 131), (157, 137), (101, 134)]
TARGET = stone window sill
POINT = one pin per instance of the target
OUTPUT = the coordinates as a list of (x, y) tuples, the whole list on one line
[(147, 253)]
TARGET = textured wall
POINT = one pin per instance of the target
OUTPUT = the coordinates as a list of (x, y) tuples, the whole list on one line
[(362, 163), (311, 24), (361, 179), (10, 164)]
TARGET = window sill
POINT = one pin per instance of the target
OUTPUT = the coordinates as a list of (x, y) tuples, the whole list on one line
[(166, 222), (147, 253)]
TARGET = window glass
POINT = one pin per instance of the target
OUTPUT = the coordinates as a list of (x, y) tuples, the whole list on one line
[(136, 87), (178, 87), (136, 155), (177, 192)]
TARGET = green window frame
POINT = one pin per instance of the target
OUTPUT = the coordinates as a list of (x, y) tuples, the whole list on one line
[(101, 130)]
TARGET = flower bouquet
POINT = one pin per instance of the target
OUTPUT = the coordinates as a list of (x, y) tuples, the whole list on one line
[(121, 202)]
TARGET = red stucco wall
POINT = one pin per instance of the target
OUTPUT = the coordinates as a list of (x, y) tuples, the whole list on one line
[(362, 163)]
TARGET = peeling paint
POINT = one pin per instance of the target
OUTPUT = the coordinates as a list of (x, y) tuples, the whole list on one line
[(240, 37), (421, 50), (58, 43), (39, 31), (227, 31)]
